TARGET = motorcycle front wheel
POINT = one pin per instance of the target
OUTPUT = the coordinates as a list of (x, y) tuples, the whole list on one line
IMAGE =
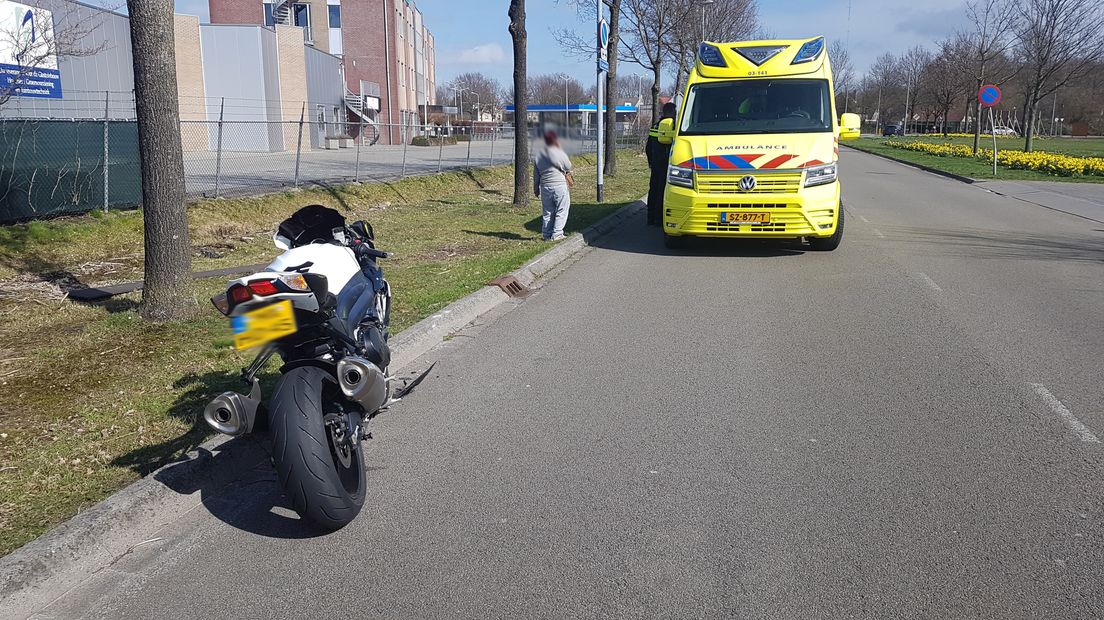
[(322, 473)]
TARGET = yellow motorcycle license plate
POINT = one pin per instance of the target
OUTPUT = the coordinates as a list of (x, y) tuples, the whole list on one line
[(263, 325), (745, 218)]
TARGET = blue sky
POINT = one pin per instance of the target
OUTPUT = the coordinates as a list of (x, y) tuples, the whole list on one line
[(472, 35)]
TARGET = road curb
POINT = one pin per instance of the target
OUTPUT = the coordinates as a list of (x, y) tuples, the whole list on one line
[(942, 173), (418, 339), (70, 553)]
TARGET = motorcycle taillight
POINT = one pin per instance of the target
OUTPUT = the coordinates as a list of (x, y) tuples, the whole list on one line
[(239, 294), (263, 288)]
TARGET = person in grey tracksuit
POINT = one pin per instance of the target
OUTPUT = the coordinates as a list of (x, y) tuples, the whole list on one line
[(550, 169)]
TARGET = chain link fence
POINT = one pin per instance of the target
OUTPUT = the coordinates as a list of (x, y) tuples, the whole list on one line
[(56, 167), (247, 157)]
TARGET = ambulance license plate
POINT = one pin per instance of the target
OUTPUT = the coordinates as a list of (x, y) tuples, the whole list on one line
[(745, 218)]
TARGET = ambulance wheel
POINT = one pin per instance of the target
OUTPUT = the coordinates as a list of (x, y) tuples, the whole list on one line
[(672, 242), (827, 244)]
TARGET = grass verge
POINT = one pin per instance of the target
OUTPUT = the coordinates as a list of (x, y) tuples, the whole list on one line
[(96, 398), (978, 169)]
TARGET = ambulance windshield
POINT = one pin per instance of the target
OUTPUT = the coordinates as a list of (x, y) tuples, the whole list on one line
[(760, 106)]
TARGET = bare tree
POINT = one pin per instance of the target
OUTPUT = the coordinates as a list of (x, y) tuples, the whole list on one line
[(725, 20), (1058, 42), (521, 104), (943, 81), (843, 71), (482, 90), (583, 47), (992, 24), (883, 80), (168, 253), (910, 68), (609, 162), (36, 45), (645, 28), (552, 88), (1080, 102)]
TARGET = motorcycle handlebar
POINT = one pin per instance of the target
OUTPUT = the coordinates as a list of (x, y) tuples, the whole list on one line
[(377, 253), (364, 250)]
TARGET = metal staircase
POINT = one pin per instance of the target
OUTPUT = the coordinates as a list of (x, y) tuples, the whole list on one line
[(281, 12), (370, 133)]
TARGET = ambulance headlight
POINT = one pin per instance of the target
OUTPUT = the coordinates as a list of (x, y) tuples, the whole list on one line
[(819, 175), (683, 177)]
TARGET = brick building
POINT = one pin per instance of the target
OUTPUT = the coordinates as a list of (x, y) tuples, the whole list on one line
[(388, 54)]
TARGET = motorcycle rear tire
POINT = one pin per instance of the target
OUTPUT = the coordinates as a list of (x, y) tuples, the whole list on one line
[(321, 488)]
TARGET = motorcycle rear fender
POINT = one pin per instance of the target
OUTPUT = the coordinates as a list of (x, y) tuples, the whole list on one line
[(305, 300)]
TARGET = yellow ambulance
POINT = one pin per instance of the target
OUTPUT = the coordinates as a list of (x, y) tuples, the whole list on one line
[(755, 146)]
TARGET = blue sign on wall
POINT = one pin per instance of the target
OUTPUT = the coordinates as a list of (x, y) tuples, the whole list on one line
[(28, 63), (30, 82)]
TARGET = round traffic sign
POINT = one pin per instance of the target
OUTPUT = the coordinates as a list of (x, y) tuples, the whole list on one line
[(989, 96), (603, 33)]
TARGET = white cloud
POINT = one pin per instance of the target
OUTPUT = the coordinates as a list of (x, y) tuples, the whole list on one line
[(484, 54)]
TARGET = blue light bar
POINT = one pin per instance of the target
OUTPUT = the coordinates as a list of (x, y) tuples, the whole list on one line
[(710, 56), (809, 51)]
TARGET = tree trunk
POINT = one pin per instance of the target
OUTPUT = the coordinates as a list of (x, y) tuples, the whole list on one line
[(977, 124), (522, 187), (610, 164), (1029, 130), (683, 71), (1023, 114), (657, 71), (168, 263)]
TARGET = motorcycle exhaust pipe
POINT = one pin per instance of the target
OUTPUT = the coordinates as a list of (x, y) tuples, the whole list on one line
[(363, 382), (233, 414)]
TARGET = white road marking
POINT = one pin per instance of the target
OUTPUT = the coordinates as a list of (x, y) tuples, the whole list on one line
[(879, 233), (927, 280), (863, 218), (1083, 433)]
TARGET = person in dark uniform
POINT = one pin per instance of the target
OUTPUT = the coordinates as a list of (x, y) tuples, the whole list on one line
[(659, 153)]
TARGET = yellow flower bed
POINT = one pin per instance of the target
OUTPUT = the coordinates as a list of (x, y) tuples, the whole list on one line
[(1039, 161), (984, 134)]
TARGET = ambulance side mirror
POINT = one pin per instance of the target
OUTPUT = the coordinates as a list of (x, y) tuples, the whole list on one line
[(850, 126), (667, 131)]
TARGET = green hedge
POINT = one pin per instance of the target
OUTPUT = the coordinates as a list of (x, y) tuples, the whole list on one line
[(427, 141)]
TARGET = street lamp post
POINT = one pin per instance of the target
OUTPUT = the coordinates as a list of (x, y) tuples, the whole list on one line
[(567, 119), (704, 3), (458, 91)]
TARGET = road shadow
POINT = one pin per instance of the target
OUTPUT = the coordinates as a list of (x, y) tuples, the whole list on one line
[(637, 238), (235, 480), (238, 486), (1001, 245)]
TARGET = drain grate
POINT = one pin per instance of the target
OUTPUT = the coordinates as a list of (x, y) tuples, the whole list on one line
[(511, 286)]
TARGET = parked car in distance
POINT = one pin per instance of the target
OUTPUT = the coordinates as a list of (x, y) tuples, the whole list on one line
[(893, 130), (1000, 130)]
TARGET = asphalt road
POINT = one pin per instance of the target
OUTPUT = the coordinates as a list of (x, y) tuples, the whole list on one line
[(907, 427)]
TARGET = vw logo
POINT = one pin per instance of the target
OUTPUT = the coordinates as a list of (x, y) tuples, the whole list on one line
[(747, 183)]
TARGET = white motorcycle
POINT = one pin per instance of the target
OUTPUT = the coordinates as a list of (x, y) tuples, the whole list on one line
[(325, 308)]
